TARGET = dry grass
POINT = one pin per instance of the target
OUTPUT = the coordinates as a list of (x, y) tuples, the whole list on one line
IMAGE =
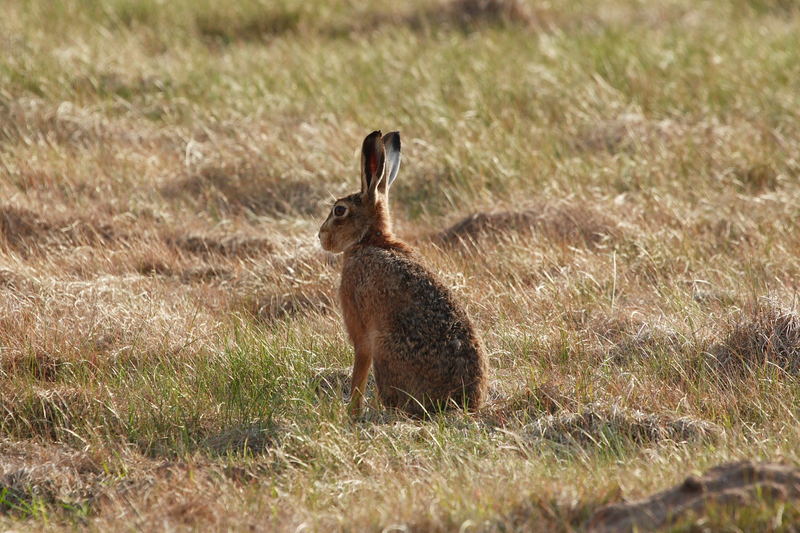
[(600, 426), (612, 190)]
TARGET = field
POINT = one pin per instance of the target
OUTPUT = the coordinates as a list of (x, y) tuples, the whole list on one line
[(611, 188)]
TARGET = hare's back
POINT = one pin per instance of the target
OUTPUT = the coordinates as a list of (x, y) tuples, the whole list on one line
[(424, 344), (416, 304)]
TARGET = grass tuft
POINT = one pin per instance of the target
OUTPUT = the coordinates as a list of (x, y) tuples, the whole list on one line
[(613, 427), (767, 335)]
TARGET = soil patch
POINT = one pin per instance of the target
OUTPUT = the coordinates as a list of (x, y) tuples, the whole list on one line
[(547, 398), (26, 232), (736, 484), (470, 13), (232, 246), (570, 225), (29, 475), (255, 438), (244, 187), (281, 305)]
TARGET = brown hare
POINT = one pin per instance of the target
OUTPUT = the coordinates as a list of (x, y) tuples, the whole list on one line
[(398, 315)]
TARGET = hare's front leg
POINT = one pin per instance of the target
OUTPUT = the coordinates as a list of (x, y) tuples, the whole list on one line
[(358, 381)]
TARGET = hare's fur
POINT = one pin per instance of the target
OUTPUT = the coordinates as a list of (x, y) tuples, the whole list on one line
[(398, 315)]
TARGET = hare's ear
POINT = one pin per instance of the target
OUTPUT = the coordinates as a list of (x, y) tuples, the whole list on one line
[(391, 142), (373, 157)]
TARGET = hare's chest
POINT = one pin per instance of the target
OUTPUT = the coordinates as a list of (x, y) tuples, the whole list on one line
[(347, 300), (366, 292), (354, 297)]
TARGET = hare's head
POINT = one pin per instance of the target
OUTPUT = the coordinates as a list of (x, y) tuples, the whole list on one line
[(355, 218)]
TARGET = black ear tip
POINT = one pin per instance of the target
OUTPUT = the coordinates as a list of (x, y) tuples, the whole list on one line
[(372, 138), (392, 140)]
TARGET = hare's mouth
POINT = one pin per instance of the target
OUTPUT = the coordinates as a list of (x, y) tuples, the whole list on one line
[(325, 241)]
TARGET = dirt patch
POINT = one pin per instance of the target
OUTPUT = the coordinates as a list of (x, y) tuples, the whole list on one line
[(465, 16), (230, 246), (29, 475), (204, 273), (735, 484), (223, 27), (194, 274), (647, 342), (254, 438), (284, 304), (18, 225), (26, 232), (570, 225), (189, 270), (226, 26), (623, 336), (611, 136), (472, 13), (604, 425), (546, 398), (757, 178), (767, 334), (244, 187), (93, 480), (150, 265)]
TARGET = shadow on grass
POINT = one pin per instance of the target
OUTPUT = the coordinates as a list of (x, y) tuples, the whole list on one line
[(570, 225), (245, 188)]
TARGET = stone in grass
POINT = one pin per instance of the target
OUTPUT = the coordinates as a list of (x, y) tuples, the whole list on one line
[(737, 484)]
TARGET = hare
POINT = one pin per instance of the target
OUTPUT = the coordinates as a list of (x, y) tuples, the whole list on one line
[(397, 313)]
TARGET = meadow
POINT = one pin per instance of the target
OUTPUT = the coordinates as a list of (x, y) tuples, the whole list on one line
[(611, 188)]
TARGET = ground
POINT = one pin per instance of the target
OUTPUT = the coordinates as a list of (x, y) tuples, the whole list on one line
[(611, 188)]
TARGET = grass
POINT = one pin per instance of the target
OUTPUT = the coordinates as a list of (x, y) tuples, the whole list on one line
[(612, 191)]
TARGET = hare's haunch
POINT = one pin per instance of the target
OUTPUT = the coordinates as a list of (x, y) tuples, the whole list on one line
[(399, 316)]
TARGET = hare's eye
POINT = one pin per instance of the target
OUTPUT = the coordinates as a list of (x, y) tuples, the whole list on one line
[(339, 211)]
